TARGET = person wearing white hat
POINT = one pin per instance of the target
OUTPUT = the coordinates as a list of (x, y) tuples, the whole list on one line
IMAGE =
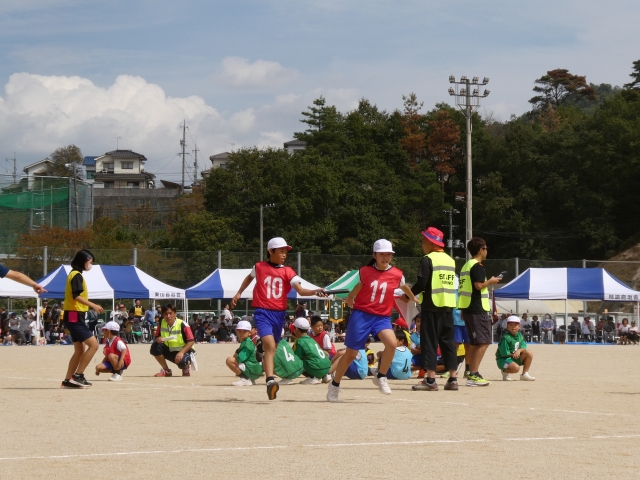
[(243, 362), (274, 281), (315, 361), (116, 354), (512, 352), (372, 302)]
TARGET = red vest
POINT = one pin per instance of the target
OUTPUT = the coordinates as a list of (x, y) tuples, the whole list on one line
[(273, 284), (376, 294), (320, 341), (109, 349)]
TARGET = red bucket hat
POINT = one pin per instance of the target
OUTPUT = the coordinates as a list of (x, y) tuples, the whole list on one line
[(434, 235)]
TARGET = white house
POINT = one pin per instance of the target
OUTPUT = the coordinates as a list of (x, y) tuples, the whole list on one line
[(219, 160), (122, 169), (37, 168), (295, 145)]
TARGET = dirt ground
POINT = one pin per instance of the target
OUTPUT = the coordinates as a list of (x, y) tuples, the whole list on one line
[(577, 420)]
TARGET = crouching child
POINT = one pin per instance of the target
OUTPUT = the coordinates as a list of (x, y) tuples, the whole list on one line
[(512, 352), (244, 362), (117, 357)]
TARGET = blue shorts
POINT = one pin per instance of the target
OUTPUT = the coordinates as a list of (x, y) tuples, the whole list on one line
[(416, 361), (352, 372), (78, 330), (460, 334), (270, 322), (108, 366), (361, 325)]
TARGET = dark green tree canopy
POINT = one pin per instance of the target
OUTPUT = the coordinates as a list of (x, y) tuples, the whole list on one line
[(559, 87)]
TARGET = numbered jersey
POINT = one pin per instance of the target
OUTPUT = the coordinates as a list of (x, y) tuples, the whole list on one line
[(314, 359), (376, 295), (285, 363), (401, 363), (273, 284)]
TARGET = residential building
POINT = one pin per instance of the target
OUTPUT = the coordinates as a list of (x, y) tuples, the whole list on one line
[(89, 164), (37, 168), (122, 169), (219, 160), (295, 145)]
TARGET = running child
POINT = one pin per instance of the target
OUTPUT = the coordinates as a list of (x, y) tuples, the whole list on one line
[(323, 339), (400, 368), (116, 353), (244, 362), (512, 352), (76, 305), (286, 364), (274, 281), (372, 302), (315, 361)]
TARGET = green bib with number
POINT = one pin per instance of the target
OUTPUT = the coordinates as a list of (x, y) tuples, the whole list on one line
[(285, 363), (316, 361)]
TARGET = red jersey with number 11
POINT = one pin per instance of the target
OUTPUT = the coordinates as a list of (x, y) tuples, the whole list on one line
[(376, 294), (273, 284)]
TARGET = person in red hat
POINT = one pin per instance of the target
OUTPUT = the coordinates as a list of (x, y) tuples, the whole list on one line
[(401, 324), (436, 283)]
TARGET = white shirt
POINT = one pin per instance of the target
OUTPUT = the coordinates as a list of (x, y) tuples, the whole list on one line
[(587, 328), (120, 346), (35, 327)]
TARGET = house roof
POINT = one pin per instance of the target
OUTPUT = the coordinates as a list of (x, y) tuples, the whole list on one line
[(43, 161), (125, 154), (295, 143), (219, 156), (89, 161)]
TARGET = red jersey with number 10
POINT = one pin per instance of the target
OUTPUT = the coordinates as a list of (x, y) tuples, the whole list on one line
[(376, 294), (273, 284)]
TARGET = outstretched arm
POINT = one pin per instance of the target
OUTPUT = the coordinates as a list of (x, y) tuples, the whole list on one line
[(22, 278), (305, 292), (245, 283), (407, 291), (352, 296)]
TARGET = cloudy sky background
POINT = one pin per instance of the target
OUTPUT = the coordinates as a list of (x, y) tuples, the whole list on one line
[(241, 71)]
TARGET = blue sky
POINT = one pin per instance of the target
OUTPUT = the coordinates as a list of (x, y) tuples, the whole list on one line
[(241, 71)]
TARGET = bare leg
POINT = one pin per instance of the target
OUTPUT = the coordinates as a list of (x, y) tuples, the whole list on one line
[(232, 363), (478, 353), (341, 366), (389, 339), (269, 347), (78, 351), (527, 358), (92, 348), (163, 363)]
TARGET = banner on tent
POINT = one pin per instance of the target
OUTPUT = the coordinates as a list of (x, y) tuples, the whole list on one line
[(168, 295), (336, 313), (633, 298)]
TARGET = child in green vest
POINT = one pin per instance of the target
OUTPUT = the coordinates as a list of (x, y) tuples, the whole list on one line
[(512, 352), (244, 362), (315, 360), (286, 364)]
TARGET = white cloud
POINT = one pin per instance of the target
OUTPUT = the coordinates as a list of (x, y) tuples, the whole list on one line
[(237, 72)]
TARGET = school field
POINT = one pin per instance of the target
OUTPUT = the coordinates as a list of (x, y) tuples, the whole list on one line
[(579, 419)]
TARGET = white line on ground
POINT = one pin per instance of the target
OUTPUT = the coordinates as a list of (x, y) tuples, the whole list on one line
[(320, 445)]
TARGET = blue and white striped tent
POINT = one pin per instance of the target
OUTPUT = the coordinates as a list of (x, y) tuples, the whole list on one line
[(587, 284), (112, 281)]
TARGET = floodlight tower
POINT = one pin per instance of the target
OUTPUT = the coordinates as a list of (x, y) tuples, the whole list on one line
[(466, 100)]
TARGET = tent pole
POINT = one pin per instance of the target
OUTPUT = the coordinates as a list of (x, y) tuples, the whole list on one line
[(566, 318)]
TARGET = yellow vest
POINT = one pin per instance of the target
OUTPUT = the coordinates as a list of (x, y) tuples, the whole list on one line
[(466, 288), (177, 343), (137, 311), (443, 291), (70, 303)]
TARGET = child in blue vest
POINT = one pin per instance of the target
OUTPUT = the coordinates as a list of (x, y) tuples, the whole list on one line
[(401, 364)]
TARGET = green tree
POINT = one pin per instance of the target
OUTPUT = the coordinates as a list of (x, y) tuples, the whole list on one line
[(635, 75), (559, 87), (70, 155)]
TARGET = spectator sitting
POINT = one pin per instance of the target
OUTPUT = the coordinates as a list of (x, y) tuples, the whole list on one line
[(14, 329), (535, 327), (65, 338), (623, 330), (200, 332), (575, 323), (633, 335), (223, 333), (25, 321), (7, 338), (400, 368), (547, 328), (587, 329), (525, 323), (55, 336), (128, 329)]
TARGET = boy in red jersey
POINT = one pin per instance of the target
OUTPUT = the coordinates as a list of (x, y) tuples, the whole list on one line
[(372, 302), (274, 281), (324, 341), (116, 353)]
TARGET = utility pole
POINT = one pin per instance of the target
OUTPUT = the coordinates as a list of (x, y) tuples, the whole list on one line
[(195, 163), (466, 101), (183, 144)]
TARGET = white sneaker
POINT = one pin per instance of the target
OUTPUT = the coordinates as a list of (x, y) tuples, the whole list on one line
[(332, 393), (326, 378), (194, 362), (243, 382), (310, 381), (382, 385), (285, 381), (115, 377), (526, 377), (506, 377)]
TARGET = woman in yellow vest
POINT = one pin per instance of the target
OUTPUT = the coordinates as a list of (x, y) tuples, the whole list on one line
[(76, 305)]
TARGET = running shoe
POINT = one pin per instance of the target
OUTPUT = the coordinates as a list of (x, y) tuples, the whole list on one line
[(326, 378), (243, 382), (79, 378), (194, 362), (506, 377), (425, 387), (445, 375), (332, 393), (285, 381), (310, 381), (477, 381), (186, 371), (164, 373), (382, 385), (467, 373), (453, 385), (272, 389), (526, 377), (115, 377), (70, 384)]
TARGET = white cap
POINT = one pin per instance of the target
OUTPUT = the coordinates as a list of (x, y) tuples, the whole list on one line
[(383, 246), (513, 319), (243, 325), (113, 326), (277, 242), (301, 323)]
